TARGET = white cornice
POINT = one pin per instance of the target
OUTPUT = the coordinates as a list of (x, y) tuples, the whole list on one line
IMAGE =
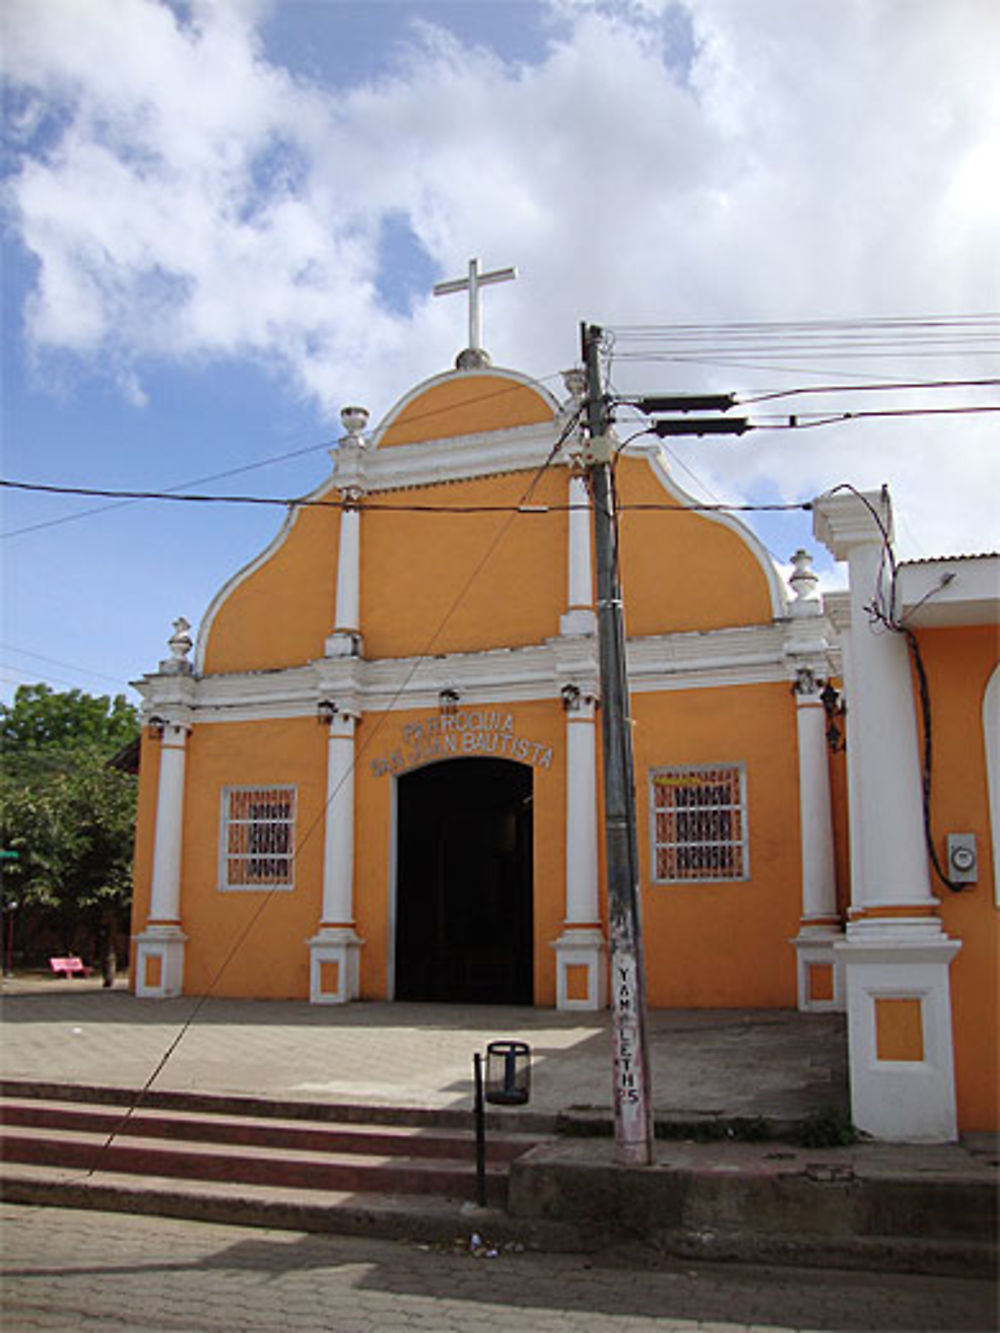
[(457, 458), (689, 661)]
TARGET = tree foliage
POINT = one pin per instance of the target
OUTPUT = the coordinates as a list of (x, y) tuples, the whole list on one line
[(42, 719), (68, 816)]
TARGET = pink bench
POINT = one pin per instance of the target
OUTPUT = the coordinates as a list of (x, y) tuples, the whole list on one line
[(68, 967)]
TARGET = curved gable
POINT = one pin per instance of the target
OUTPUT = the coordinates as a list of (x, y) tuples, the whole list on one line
[(684, 570), (277, 611), (465, 403)]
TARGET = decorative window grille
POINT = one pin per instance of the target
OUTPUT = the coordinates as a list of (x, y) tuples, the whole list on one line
[(699, 824), (257, 843)]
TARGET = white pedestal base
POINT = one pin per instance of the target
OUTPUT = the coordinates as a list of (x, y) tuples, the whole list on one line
[(343, 643), (334, 965), (900, 1050), (819, 972), (159, 962), (581, 969), (580, 620)]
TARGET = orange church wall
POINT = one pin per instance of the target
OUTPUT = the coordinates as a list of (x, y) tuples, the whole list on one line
[(959, 663), (280, 613), (724, 944), (415, 568), (683, 571), (262, 935), (465, 405)]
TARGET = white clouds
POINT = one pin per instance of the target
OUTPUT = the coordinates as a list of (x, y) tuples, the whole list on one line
[(185, 198)]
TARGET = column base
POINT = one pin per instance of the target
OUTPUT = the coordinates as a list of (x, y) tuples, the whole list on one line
[(343, 643), (159, 962), (819, 973), (577, 621), (900, 1050), (334, 965), (581, 969)]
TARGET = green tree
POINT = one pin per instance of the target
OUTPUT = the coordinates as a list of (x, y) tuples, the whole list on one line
[(44, 719), (68, 815)]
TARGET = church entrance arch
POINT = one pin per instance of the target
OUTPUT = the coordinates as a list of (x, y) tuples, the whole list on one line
[(464, 892)]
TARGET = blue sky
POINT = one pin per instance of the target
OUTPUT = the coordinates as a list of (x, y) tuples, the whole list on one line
[(222, 221)]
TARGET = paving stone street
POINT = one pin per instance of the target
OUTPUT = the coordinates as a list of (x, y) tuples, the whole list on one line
[(68, 1270)]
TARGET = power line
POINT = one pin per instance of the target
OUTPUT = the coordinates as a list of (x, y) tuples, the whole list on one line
[(369, 506), (55, 661), (268, 462), (803, 421), (881, 386)]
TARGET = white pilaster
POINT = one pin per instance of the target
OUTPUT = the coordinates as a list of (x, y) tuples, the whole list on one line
[(581, 954), (334, 963), (820, 977), (349, 461), (160, 947), (579, 617), (896, 956), (808, 650)]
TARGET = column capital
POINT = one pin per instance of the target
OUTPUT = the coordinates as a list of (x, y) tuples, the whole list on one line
[(844, 520), (170, 726)]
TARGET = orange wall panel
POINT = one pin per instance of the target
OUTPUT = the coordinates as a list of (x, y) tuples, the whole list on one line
[(465, 405), (959, 663), (724, 944), (418, 594), (253, 942), (682, 571), (279, 614)]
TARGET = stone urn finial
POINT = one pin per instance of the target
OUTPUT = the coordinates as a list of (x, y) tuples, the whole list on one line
[(179, 644), (803, 581), (575, 381), (354, 421)]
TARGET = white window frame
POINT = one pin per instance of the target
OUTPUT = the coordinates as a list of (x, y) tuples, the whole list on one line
[(279, 842), (737, 845)]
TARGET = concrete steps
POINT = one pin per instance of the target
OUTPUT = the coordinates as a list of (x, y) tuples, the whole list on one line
[(73, 1139)]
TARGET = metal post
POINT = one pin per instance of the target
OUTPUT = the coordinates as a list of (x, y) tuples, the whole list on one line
[(477, 1061), (633, 1103)]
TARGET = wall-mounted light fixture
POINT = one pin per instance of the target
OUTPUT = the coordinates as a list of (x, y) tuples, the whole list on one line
[(326, 710), (156, 727), (835, 709), (570, 696), (448, 700)]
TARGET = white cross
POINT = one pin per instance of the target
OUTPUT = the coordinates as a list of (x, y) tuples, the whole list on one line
[(472, 284)]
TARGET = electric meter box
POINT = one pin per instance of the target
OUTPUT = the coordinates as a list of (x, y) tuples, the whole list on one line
[(963, 862)]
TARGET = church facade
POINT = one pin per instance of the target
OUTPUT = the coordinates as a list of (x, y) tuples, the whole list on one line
[(379, 776)]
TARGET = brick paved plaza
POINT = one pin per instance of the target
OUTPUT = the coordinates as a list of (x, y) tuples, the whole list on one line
[(66, 1270)]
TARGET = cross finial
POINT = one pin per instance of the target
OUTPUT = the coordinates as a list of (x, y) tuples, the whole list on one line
[(474, 355)]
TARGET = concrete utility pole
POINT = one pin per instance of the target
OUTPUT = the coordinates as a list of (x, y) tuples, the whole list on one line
[(633, 1103)]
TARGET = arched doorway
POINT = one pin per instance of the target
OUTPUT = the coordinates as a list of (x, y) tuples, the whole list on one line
[(464, 930)]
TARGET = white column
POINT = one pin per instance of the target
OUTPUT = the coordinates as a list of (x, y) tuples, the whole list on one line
[(346, 638), (820, 979), (160, 947), (349, 472), (581, 963), (579, 617), (896, 956), (334, 961), (892, 857)]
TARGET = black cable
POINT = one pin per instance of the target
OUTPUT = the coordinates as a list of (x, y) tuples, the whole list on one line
[(375, 507), (267, 462), (883, 386)]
